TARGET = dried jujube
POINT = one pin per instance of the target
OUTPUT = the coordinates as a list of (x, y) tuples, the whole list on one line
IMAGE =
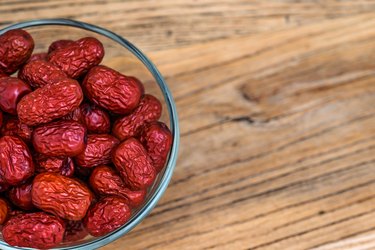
[(35, 230), (107, 215)]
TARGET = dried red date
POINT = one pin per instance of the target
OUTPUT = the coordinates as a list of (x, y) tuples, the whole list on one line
[(95, 119), (60, 195), (111, 90), (50, 102), (39, 73), (16, 47), (11, 91), (62, 165), (75, 230), (4, 211), (106, 182), (59, 44), (134, 164), (13, 126), (157, 139), (149, 110), (77, 58), (98, 150), (21, 196), (1, 118), (38, 56), (60, 138), (16, 164), (35, 230), (106, 216), (46, 163)]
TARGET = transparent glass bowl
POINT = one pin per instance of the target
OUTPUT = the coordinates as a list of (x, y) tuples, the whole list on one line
[(124, 57)]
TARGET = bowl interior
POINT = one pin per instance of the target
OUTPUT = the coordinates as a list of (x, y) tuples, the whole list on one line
[(127, 59)]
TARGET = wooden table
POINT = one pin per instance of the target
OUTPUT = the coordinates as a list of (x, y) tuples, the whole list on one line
[(277, 111)]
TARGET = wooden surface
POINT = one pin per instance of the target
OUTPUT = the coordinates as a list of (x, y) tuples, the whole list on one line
[(277, 112)]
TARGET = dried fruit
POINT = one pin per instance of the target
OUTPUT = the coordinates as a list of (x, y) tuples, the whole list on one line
[(77, 58), (134, 164), (16, 47), (106, 182), (35, 230), (13, 126), (60, 138), (157, 139), (111, 90), (75, 230), (4, 211), (98, 150), (148, 110), (12, 90), (1, 118), (39, 73), (95, 119), (38, 56), (106, 216), (63, 196), (50, 102), (21, 196), (59, 44), (16, 164)]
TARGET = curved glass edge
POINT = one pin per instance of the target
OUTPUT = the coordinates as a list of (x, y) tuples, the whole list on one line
[(147, 208)]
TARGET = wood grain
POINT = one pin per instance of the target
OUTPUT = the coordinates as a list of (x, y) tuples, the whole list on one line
[(277, 111)]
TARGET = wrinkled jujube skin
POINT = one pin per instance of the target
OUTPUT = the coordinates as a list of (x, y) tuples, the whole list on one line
[(58, 164), (35, 230), (77, 58), (39, 73), (13, 126), (16, 47), (44, 163), (134, 164), (50, 102), (12, 90), (21, 196), (65, 197), (1, 118), (59, 44), (106, 182), (157, 139), (75, 230), (95, 119), (106, 216), (148, 110), (60, 138), (111, 90), (4, 211), (38, 56), (16, 163), (98, 150)]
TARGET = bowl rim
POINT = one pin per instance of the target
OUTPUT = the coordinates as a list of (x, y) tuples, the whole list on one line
[(174, 126)]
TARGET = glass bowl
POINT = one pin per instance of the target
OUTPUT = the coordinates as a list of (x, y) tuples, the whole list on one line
[(129, 60)]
